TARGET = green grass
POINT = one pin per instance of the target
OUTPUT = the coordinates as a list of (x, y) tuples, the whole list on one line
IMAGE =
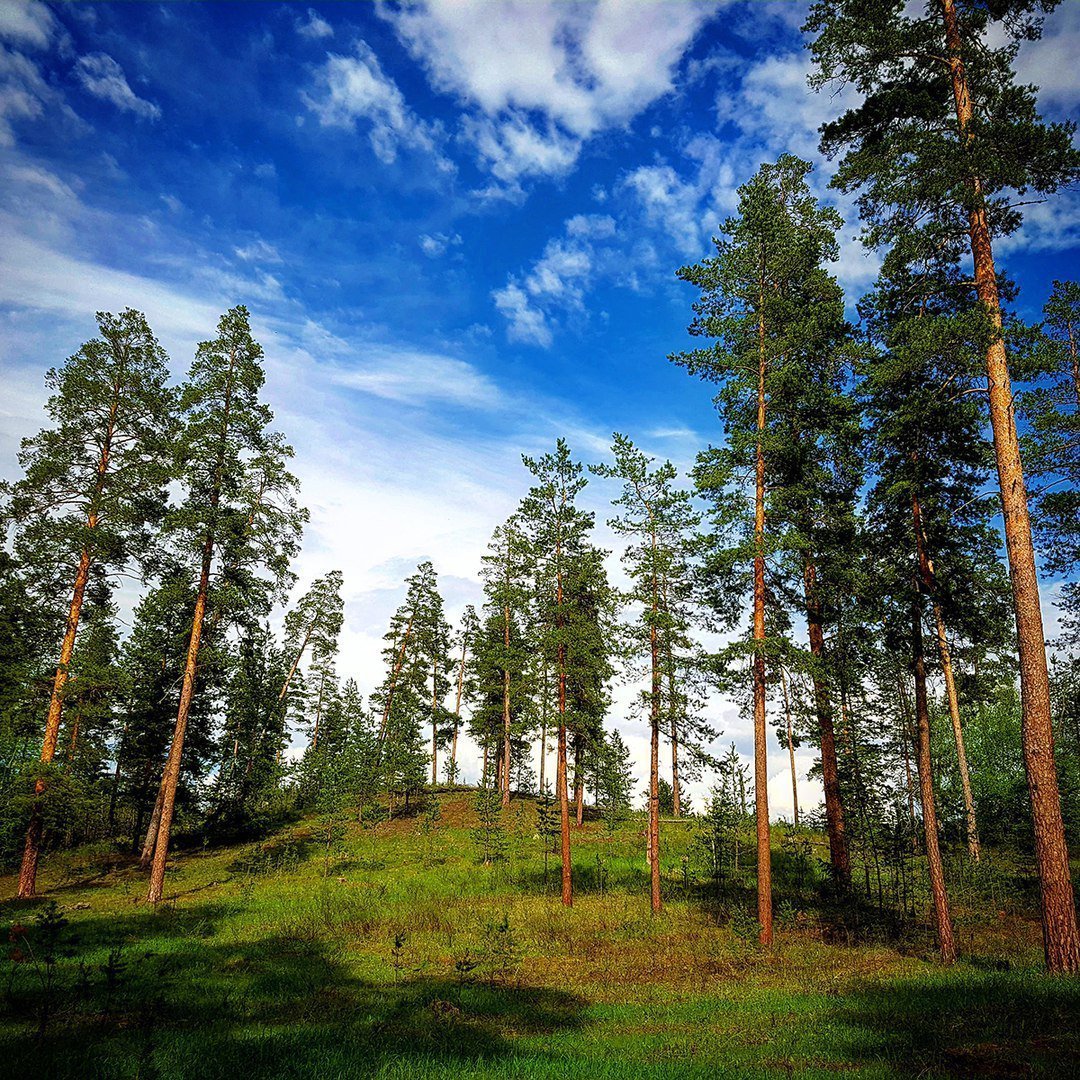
[(392, 960)]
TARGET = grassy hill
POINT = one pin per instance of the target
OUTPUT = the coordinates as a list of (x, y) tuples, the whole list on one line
[(393, 952)]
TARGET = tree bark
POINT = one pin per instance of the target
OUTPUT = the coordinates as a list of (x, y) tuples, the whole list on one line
[(172, 763), (929, 583), (654, 751), (839, 855), (1061, 940), (942, 919), (457, 711), (579, 785), (761, 753), (790, 746), (905, 743), (506, 709)]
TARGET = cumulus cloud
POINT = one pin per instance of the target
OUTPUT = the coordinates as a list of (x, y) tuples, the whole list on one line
[(355, 88), (542, 78), (557, 281), (103, 77)]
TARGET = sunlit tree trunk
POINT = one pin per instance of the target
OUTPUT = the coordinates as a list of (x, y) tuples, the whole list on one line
[(761, 753), (172, 762), (1060, 936)]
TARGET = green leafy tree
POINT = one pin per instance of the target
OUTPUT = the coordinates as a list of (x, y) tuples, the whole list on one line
[(238, 509), (658, 521), (760, 295), (557, 530), (941, 140), (92, 483)]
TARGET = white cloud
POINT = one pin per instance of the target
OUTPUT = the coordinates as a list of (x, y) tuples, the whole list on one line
[(437, 244), (1050, 62), (356, 88), (557, 281), (314, 27), (30, 23), (172, 202), (543, 78), (103, 77), (258, 251), (527, 323), (24, 93), (416, 378)]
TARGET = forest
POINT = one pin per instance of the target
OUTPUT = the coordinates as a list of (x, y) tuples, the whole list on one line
[(221, 851)]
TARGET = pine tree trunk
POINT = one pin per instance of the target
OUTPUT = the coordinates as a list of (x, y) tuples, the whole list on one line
[(32, 847), (790, 746), (839, 856), (172, 763), (761, 753), (1061, 940), (942, 919), (579, 785), (905, 743), (457, 713), (150, 840), (393, 681), (506, 708), (654, 773), (434, 725)]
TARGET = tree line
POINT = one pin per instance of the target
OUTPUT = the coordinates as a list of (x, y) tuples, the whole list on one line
[(840, 540)]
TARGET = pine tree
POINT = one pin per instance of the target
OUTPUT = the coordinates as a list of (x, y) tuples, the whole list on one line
[(91, 485), (942, 138), (557, 530), (467, 636), (1052, 445), (238, 507), (314, 623), (506, 576), (759, 297), (658, 521), (416, 683)]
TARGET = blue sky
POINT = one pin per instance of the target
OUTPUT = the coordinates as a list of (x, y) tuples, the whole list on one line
[(456, 225)]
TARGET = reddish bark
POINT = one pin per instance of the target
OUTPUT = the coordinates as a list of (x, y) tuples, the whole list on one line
[(1061, 939)]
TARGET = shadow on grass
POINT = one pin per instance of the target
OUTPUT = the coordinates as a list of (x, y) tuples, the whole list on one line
[(964, 1023), (177, 999)]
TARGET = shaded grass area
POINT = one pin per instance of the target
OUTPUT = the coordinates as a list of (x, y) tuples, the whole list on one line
[(396, 955)]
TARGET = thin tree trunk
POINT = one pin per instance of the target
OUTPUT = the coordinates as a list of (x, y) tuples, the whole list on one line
[(761, 753), (296, 661), (929, 581), (457, 711), (32, 847), (905, 743), (393, 680), (971, 824), (150, 840), (506, 708), (1061, 939), (942, 919), (839, 856), (654, 758), (790, 745), (434, 724), (172, 763), (579, 784)]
